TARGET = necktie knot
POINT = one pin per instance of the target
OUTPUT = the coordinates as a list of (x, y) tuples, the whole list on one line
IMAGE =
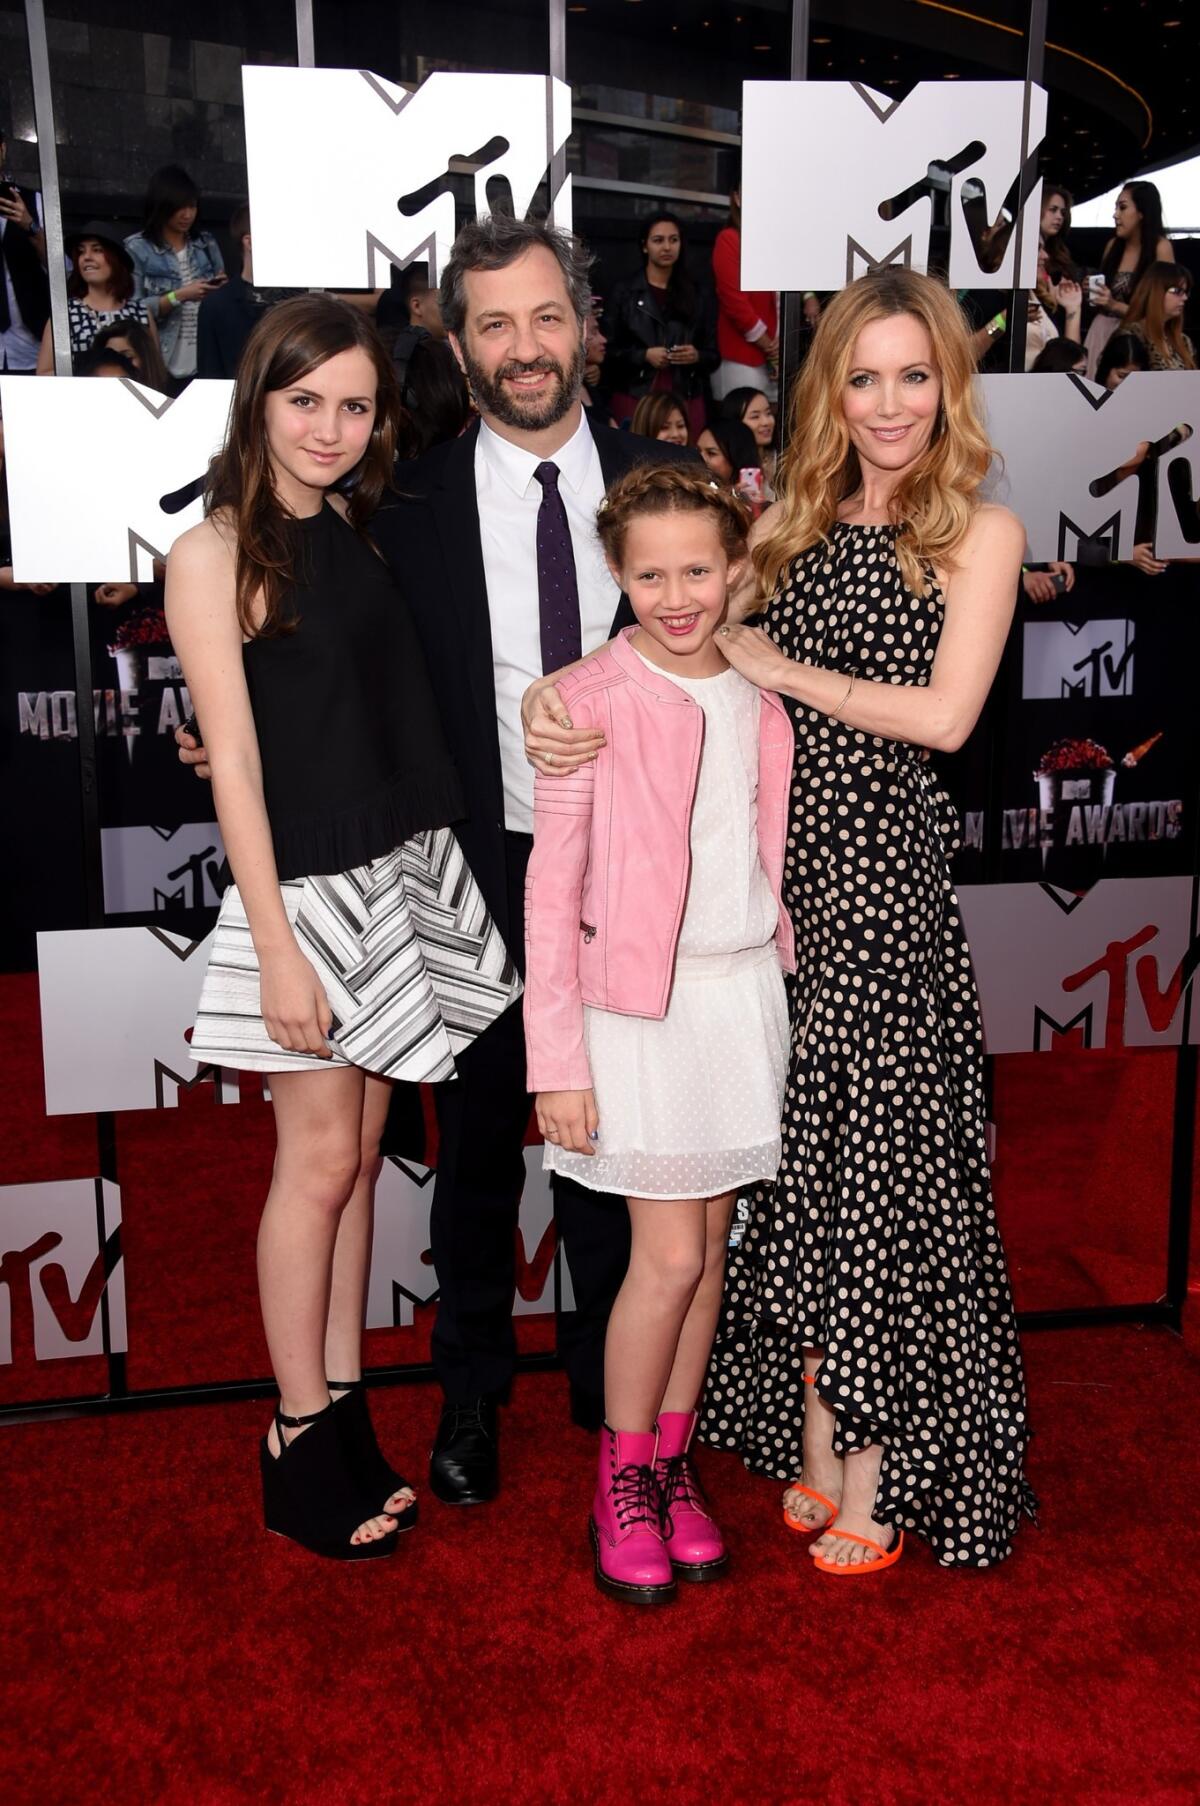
[(547, 476)]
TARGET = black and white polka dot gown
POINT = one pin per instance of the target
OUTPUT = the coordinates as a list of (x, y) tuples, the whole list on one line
[(878, 1240)]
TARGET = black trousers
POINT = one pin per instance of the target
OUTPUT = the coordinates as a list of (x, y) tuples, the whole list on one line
[(483, 1115)]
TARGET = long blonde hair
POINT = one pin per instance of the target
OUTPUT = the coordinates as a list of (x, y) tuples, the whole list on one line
[(936, 501)]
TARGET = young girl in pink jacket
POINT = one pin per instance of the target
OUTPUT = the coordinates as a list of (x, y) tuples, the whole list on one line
[(655, 1015)]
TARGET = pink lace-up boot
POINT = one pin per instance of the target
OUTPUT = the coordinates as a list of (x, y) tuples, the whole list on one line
[(631, 1562), (694, 1542)]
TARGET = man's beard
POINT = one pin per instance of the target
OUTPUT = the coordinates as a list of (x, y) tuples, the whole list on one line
[(546, 410)]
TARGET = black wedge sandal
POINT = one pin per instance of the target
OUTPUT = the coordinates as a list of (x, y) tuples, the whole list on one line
[(311, 1493), (373, 1473)]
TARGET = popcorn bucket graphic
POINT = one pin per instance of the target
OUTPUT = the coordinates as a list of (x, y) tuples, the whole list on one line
[(1073, 774), (1056, 788)]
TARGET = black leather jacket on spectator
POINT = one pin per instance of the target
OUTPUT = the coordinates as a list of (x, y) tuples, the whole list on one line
[(30, 283), (638, 317)]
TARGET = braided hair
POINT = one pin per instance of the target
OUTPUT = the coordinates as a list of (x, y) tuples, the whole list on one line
[(650, 489)]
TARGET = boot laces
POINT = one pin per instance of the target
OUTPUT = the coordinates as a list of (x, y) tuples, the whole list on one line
[(679, 1484), (636, 1498)]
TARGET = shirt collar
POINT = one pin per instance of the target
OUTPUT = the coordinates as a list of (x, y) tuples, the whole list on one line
[(516, 466)]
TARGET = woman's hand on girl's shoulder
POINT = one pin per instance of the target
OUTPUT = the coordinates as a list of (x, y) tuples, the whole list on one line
[(553, 744), (753, 653)]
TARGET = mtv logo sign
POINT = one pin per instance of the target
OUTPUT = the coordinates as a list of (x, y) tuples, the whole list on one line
[(1063, 658), (960, 139), (62, 1284), (116, 1005), (1109, 969), (1079, 462), (160, 868), (380, 185), (102, 476), (402, 1274)]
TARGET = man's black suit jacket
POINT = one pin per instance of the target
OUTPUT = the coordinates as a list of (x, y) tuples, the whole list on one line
[(429, 535)]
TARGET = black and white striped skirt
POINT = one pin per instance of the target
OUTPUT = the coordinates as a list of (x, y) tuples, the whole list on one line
[(411, 961)]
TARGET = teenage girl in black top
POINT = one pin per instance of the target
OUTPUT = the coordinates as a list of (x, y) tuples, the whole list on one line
[(354, 947)]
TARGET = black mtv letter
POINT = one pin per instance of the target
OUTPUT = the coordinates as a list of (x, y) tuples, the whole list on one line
[(499, 191)]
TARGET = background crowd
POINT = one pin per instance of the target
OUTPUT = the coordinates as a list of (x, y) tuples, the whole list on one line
[(676, 350)]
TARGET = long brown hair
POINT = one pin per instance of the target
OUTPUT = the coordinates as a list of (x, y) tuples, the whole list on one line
[(292, 338), (120, 275), (1147, 312), (935, 502)]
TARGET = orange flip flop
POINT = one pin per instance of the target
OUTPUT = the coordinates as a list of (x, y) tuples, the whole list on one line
[(810, 1529), (810, 1379), (889, 1557)]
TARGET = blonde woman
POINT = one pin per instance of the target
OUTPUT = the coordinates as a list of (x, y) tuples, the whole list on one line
[(868, 1350)]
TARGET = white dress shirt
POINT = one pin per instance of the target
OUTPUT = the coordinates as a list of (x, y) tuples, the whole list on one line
[(509, 498)]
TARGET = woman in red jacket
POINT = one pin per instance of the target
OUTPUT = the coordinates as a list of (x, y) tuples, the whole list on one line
[(747, 320)]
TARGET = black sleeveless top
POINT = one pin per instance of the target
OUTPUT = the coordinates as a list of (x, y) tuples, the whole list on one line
[(353, 756)]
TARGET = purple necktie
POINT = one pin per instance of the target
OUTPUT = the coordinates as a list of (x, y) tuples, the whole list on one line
[(558, 589)]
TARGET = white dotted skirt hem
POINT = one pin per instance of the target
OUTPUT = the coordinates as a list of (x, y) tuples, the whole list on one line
[(689, 1105)]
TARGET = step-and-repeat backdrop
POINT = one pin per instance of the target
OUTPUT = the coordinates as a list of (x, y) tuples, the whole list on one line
[(1079, 800)]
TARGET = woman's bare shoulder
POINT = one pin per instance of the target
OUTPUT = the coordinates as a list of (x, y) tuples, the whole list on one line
[(995, 527), (204, 549)]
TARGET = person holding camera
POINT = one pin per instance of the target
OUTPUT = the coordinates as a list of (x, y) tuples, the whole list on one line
[(25, 289), (1139, 239), (175, 266), (661, 328)]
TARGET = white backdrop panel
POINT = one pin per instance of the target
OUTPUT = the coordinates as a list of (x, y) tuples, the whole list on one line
[(402, 1275), (1061, 437), (1103, 962), (89, 465), (116, 1003), (332, 207), (158, 868), (804, 226), (61, 1224)]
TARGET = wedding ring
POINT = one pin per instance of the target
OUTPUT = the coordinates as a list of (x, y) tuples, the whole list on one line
[(549, 758)]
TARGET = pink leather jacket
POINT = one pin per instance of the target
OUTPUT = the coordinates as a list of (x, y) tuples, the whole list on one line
[(608, 875)]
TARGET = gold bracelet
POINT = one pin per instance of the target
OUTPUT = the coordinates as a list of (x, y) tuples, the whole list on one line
[(836, 714)]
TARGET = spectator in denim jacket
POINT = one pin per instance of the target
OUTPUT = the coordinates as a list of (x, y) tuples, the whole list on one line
[(175, 266)]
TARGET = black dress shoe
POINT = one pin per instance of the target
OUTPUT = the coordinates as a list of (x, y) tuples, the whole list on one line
[(464, 1468)]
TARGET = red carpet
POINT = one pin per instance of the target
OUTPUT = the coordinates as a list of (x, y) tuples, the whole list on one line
[(159, 1647), (1081, 1173)]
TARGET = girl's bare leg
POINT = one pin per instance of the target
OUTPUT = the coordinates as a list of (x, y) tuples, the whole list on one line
[(318, 1121), (700, 1325), (666, 1265), (352, 1256)]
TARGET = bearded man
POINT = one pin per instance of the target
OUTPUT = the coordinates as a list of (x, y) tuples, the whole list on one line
[(494, 542)]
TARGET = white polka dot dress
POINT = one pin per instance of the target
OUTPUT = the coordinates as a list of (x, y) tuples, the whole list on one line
[(689, 1105), (878, 1240)]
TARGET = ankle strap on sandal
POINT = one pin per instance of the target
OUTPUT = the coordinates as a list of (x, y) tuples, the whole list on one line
[(344, 1385), (296, 1423)]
